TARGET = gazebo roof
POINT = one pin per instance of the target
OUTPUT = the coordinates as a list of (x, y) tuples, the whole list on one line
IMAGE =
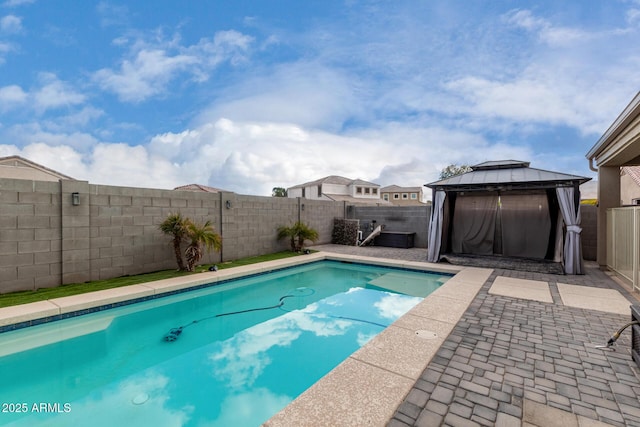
[(506, 175)]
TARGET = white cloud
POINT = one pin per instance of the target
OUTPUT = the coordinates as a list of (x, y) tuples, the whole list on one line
[(14, 3), (391, 98), (10, 24), (34, 133), (146, 75), (121, 164), (54, 93), (231, 46), (61, 158), (311, 95), (633, 16), (253, 157), (573, 77), (151, 66), (11, 97), (111, 14), (51, 94), (547, 32)]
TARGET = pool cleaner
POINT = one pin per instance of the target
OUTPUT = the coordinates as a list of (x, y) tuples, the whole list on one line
[(614, 337), (174, 333)]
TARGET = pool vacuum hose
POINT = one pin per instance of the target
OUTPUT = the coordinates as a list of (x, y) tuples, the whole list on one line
[(174, 333)]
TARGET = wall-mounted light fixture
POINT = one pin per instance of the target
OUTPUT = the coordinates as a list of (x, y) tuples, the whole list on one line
[(75, 199), (302, 207), (228, 204)]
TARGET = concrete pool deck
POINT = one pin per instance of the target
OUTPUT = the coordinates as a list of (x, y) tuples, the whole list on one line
[(516, 359), (487, 348)]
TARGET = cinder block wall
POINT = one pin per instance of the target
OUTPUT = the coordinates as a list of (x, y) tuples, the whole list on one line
[(123, 228), (319, 215), (30, 234), (250, 223), (46, 240), (395, 218)]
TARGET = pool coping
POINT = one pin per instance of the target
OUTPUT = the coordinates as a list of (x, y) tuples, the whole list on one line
[(368, 386), (364, 389)]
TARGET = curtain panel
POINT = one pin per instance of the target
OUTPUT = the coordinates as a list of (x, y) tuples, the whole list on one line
[(435, 227), (474, 224), (572, 243)]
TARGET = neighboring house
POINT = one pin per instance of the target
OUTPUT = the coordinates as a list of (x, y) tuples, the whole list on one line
[(199, 187), (338, 188), (402, 196), (630, 185), (16, 167)]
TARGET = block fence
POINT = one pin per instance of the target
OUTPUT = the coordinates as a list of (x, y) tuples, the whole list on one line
[(46, 240)]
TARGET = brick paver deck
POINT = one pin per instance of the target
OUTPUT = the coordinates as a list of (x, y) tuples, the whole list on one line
[(519, 362)]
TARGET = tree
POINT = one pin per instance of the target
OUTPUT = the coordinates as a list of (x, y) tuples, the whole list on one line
[(201, 236), (297, 233), (453, 170), (279, 192), (175, 225)]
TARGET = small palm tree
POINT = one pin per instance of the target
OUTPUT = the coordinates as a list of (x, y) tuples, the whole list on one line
[(201, 236), (175, 225), (297, 233)]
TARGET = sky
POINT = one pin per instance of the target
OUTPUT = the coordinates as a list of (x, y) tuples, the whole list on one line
[(250, 95)]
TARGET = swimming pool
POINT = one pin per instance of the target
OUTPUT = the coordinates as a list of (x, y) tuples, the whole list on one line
[(245, 350)]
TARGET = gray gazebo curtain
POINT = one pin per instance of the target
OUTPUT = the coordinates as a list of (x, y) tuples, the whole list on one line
[(525, 225), (435, 226), (474, 224), (571, 217)]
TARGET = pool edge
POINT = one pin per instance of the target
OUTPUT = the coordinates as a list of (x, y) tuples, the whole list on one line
[(368, 386)]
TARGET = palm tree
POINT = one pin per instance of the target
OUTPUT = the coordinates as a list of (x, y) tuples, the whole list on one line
[(297, 233), (176, 225), (200, 235)]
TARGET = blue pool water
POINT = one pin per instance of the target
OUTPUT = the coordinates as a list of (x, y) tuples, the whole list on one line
[(245, 349)]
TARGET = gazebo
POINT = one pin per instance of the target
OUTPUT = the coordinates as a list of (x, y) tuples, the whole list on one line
[(506, 208)]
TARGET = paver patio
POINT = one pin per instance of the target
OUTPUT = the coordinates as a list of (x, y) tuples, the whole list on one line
[(513, 360)]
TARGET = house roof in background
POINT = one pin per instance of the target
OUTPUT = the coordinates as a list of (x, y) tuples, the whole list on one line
[(506, 173), (199, 187), (335, 179), (397, 189), (17, 167)]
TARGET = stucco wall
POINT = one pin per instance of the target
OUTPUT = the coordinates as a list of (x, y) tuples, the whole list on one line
[(589, 234), (46, 241)]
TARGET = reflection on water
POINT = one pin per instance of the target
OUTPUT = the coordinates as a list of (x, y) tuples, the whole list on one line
[(213, 376)]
